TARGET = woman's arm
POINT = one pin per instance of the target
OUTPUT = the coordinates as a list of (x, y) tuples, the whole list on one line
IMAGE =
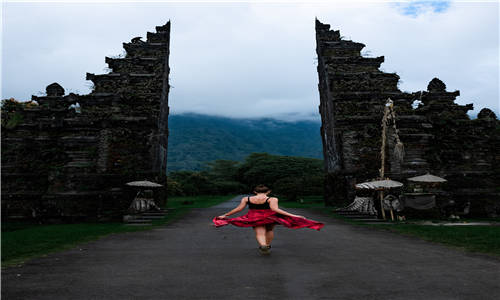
[(238, 208), (273, 204)]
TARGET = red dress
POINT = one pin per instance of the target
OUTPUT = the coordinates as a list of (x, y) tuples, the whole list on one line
[(264, 216)]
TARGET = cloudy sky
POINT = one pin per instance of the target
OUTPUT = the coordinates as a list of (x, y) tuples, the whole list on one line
[(253, 59)]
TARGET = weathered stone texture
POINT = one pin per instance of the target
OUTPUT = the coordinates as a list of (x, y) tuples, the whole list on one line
[(61, 161), (438, 135)]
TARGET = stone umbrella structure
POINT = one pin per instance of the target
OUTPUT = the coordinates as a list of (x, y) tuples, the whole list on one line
[(438, 135), (69, 156)]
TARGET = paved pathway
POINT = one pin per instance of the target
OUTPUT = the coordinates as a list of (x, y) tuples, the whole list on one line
[(190, 259)]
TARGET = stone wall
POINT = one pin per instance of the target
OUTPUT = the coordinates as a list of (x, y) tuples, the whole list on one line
[(438, 135), (69, 156)]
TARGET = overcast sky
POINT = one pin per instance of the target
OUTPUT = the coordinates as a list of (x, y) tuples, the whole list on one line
[(253, 59)]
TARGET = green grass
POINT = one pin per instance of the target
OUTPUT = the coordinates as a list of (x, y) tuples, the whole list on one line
[(477, 238), (22, 241), (22, 244), (483, 239)]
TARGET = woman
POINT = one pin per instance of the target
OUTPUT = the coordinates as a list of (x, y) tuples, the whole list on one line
[(263, 215)]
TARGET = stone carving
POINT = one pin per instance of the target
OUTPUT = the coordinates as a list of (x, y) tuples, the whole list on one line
[(436, 85), (137, 40), (486, 113), (54, 89), (58, 163)]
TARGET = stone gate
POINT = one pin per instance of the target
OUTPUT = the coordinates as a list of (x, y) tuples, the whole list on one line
[(438, 135), (69, 156)]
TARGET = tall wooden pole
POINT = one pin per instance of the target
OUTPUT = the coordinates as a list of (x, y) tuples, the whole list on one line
[(382, 154), (388, 112)]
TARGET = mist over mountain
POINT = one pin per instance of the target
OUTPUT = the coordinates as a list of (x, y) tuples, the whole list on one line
[(196, 139)]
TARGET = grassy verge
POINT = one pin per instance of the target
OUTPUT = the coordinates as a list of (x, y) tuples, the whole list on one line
[(22, 241), (482, 239), (477, 238)]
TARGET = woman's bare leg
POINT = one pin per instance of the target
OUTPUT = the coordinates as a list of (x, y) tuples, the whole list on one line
[(269, 234), (260, 234)]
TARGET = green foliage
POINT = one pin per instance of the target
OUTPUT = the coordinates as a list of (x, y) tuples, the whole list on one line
[(218, 178), (12, 112), (12, 120), (289, 187), (189, 183), (11, 104), (228, 187), (197, 139), (41, 239), (173, 187), (222, 169), (288, 176), (196, 201)]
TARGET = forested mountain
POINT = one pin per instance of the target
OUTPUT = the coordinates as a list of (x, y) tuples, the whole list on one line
[(195, 139)]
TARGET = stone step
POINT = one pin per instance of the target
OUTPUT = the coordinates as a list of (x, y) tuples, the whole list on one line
[(349, 212), (81, 160), (6, 168), (15, 217), (158, 37), (414, 163), (138, 221), (139, 224), (76, 152), (133, 65), (381, 222), (412, 158), (372, 220), (358, 217), (12, 140), (415, 137), (153, 217), (160, 213), (362, 218), (148, 217), (79, 164), (78, 140), (145, 49)]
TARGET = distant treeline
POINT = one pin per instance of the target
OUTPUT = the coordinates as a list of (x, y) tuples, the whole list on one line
[(288, 176), (196, 139)]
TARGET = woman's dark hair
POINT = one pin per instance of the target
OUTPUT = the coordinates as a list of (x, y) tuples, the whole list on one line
[(261, 189)]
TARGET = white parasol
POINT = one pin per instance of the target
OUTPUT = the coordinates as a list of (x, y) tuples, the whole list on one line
[(144, 183), (379, 184), (427, 178)]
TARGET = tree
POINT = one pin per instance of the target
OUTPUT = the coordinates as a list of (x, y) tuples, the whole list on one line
[(222, 169), (301, 176)]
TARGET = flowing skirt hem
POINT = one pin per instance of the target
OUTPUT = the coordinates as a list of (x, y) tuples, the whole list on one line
[(256, 217)]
